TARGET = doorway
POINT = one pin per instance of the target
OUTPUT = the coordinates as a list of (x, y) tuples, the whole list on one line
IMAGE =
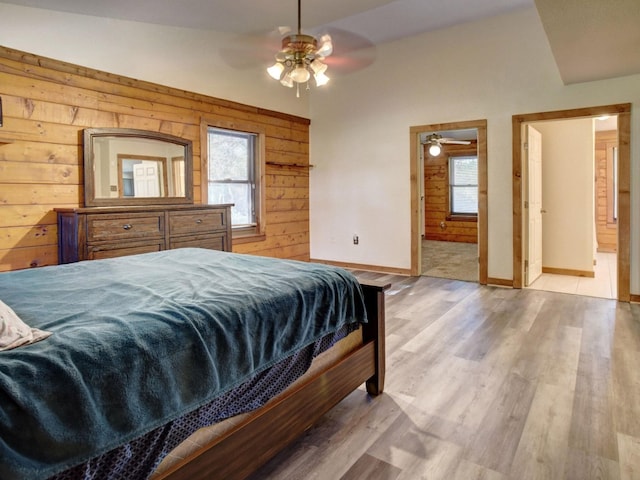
[(570, 242), (417, 193), (622, 266), (450, 204)]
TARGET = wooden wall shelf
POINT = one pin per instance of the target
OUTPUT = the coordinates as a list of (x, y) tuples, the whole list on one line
[(293, 165)]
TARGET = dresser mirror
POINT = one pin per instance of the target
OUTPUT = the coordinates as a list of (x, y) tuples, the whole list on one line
[(124, 166)]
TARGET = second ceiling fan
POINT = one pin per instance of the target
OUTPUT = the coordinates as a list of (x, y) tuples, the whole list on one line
[(435, 142)]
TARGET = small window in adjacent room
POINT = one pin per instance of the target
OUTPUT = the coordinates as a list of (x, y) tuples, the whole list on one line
[(463, 187), (233, 176), (612, 186)]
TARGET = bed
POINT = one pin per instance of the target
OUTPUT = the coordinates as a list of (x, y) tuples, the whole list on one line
[(144, 351)]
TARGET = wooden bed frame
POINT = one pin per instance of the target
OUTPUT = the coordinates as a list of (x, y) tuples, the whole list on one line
[(268, 430)]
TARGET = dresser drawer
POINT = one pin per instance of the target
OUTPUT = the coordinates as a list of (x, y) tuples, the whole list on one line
[(97, 252), (217, 241), (124, 227), (196, 221)]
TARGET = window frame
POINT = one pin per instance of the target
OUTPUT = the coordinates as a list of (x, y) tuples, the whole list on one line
[(612, 184), (456, 216), (243, 234)]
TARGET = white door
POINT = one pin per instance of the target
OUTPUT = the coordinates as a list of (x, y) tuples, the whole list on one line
[(533, 205), (146, 180)]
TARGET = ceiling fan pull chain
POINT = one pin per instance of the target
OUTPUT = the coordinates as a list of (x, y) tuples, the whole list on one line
[(297, 90)]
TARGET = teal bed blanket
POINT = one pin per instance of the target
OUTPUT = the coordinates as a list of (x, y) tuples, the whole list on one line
[(141, 340)]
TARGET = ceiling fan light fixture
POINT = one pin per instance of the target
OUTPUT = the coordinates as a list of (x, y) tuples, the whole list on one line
[(275, 70), (326, 46), (318, 67), (300, 74), (287, 81), (321, 79), (435, 149), (300, 57)]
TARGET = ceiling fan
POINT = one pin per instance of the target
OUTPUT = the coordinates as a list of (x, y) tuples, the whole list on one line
[(435, 142), (301, 56)]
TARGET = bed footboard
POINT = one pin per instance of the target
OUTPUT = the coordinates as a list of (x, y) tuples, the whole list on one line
[(374, 331), (252, 443)]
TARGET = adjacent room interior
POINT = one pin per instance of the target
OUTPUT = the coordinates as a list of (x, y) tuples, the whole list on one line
[(450, 193), (579, 150)]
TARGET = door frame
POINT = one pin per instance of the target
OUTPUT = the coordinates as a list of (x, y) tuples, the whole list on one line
[(416, 176), (623, 111), (533, 236)]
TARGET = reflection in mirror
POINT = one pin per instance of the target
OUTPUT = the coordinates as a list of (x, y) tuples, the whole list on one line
[(142, 176), (177, 175), (136, 167)]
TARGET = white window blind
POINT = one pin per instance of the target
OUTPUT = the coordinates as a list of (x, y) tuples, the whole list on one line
[(463, 185)]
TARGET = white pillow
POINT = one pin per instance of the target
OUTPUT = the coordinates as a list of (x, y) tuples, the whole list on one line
[(14, 332)]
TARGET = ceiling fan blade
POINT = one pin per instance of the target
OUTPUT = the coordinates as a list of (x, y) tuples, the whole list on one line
[(248, 51), (454, 142), (351, 52)]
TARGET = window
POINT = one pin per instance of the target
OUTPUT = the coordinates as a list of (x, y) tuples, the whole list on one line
[(463, 186), (233, 176), (612, 185)]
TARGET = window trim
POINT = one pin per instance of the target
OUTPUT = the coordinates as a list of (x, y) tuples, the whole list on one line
[(453, 216), (239, 234)]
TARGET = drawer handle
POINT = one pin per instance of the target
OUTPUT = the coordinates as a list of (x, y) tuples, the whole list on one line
[(127, 226), (199, 221)]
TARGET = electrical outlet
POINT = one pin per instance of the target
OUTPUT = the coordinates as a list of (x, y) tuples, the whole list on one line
[(356, 240)]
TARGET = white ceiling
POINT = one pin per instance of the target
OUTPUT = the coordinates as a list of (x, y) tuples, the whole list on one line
[(377, 20), (590, 39)]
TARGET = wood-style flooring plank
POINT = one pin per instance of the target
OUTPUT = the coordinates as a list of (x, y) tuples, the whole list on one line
[(629, 450), (541, 449), (372, 469), (494, 444), (585, 466), (625, 366)]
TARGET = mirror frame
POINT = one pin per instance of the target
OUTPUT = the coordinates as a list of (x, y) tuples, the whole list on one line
[(90, 200)]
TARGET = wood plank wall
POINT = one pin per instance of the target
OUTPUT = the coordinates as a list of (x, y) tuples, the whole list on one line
[(606, 228), (48, 103), (436, 188)]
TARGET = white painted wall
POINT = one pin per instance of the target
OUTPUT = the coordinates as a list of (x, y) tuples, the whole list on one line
[(188, 59), (568, 194), (490, 69)]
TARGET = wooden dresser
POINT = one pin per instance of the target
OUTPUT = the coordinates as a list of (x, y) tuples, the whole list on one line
[(102, 232)]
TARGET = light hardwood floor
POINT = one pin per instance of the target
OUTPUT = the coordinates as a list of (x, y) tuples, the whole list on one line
[(487, 383)]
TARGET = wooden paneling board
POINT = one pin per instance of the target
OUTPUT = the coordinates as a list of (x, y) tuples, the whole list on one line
[(606, 226), (436, 206), (47, 104)]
